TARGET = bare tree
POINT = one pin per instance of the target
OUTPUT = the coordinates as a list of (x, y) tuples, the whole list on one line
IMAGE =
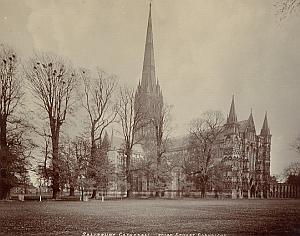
[(131, 118), (204, 132), (98, 101), (52, 81), (296, 145), (11, 134), (287, 7), (291, 174)]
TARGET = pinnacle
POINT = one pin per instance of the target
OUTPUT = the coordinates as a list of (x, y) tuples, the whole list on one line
[(265, 128), (232, 118)]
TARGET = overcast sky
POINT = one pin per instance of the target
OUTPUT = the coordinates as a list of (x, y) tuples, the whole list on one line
[(204, 51)]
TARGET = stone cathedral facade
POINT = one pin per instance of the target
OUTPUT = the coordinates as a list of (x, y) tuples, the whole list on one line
[(246, 155)]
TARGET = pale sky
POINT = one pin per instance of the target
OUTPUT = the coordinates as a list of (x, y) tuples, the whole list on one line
[(205, 51)]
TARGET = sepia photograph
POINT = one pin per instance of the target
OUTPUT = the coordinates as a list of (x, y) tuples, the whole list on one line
[(149, 117)]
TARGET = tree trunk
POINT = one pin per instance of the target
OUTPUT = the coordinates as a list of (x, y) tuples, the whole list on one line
[(148, 181), (93, 157), (72, 191), (82, 194), (203, 190), (129, 184), (5, 185), (94, 194), (93, 146), (55, 158), (158, 166), (55, 185), (4, 191), (129, 193), (128, 175)]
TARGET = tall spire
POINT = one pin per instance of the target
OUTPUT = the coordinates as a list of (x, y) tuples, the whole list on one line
[(265, 128), (148, 75), (232, 118)]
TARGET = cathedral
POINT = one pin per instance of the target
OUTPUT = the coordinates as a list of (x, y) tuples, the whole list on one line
[(244, 153), (247, 156)]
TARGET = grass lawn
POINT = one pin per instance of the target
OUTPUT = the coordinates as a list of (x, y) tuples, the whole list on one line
[(158, 216)]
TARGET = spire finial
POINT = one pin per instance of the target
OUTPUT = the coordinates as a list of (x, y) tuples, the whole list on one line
[(251, 123), (265, 128), (232, 118), (148, 75)]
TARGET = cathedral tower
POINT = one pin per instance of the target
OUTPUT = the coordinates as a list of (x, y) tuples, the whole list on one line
[(232, 124), (232, 153), (148, 97), (263, 165), (246, 156)]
